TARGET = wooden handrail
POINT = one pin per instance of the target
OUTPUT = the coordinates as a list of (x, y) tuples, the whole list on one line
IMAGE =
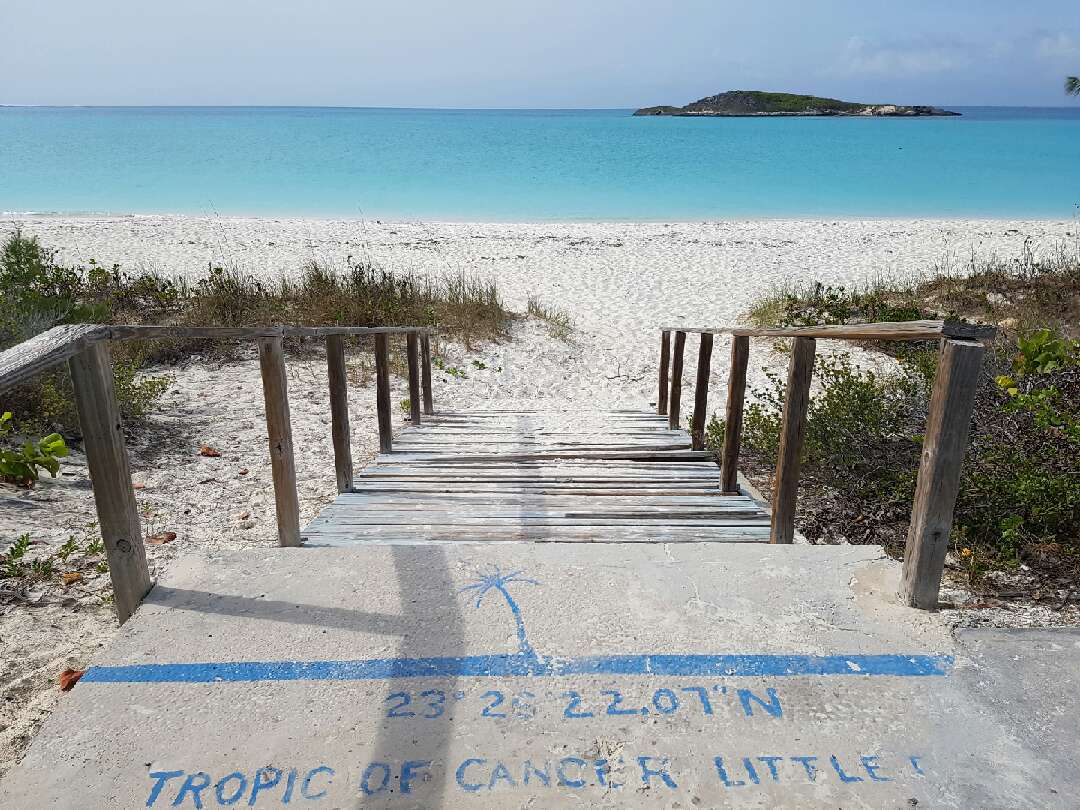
[(86, 348), (26, 360), (889, 330), (944, 444)]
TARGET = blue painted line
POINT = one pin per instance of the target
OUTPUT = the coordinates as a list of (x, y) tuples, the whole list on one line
[(493, 666)]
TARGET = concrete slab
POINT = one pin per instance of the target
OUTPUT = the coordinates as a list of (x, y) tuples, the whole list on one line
[(524, 675)]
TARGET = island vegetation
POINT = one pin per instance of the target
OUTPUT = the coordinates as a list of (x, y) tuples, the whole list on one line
[(736, 103)]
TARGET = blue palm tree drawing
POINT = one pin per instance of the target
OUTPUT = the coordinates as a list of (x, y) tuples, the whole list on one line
[(498, 581)]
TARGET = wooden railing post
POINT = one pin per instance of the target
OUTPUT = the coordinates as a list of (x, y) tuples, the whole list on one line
[(412, 348), (382, 393), (665, 361), (729, 462), (944, 445), (675, 397), (110, 474), (792, 430), (339, 411), (279, 433), (701, 392), (425, 376)]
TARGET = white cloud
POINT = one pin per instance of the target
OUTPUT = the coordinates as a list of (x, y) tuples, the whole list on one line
[(1059, 48), (861, 58)]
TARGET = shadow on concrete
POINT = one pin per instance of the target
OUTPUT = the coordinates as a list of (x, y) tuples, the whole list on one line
[(277, 611), (430, 610), (429, 598)]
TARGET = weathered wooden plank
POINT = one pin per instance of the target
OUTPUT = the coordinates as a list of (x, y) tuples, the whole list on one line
[(729, 460), (412, 351), (525, 485), (382, 393), (393, 514), (340, 433), (425, 378), (792, 428), (557, 479), (665, 361), (324, 331), (596, 491), (645, 455), (110, 473), (888, 330), (626, 468), (493, 476), (424, 500), (490, 446), (24, 361), (141, 332), (526, 510), (944, 446), (279, 434), (696, 473), (435, 509), (540, 534), (523, 493), (447, 435), (675, 395), (701, 392), (505, 444)]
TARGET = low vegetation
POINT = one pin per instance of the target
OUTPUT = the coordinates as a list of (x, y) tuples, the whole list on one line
[(37, 292), (71, 563), (558, 320), (1021, 294), (1019, 505), (21, 464)]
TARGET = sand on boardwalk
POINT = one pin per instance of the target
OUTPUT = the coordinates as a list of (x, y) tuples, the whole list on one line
[(619, 283)]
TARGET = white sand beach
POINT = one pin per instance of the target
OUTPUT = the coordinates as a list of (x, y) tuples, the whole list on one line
[(619, 282)]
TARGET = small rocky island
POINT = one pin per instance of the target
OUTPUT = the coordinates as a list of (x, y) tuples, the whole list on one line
[(759, 103)]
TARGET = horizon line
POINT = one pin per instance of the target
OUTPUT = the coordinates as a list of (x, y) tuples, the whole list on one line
[(436, 107)]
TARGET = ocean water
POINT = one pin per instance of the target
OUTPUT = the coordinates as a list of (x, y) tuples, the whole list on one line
[(525, 165)]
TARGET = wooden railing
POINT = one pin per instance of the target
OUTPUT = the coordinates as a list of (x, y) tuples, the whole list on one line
[(85, 347), (944, 445)]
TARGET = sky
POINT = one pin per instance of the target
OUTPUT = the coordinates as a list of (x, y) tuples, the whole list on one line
[(533, 53)]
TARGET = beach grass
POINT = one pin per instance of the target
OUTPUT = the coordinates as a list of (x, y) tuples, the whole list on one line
[(558, 320), (37, 292), (1020, 293)]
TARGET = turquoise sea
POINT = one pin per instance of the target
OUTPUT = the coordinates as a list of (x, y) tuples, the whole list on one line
[(523, 165)]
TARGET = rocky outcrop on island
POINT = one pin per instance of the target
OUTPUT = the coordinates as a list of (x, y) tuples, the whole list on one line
[(757, 102)]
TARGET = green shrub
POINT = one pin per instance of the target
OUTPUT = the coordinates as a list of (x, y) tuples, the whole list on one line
[(815, 304), (1019, 497), (36, 294), (858, 426), (21, 465), (15, 562), (1020, 484), (12, 561)]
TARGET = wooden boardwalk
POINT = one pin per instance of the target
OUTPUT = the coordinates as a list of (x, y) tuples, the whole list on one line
[(555, 476)]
